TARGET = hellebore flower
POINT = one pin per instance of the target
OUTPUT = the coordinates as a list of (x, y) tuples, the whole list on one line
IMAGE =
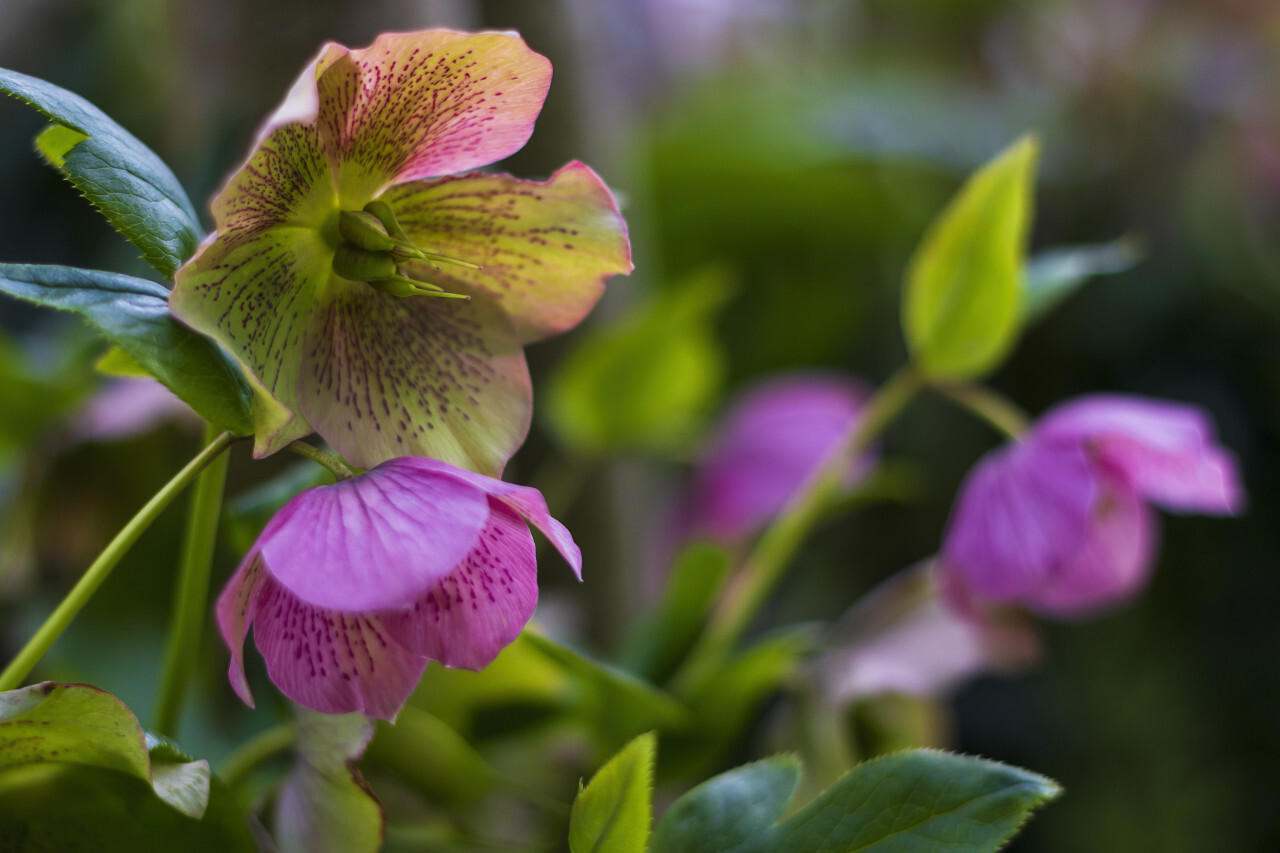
[(337, 245), (1059, 521), (773, 440), (353, 588)]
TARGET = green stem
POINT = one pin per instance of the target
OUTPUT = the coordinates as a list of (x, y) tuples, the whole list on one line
[(990, 406), (192, 595), (238, 765), (335, 465), (80, 594), (765, 564)]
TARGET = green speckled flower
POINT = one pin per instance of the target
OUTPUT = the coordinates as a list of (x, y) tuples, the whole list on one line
[(337, 239)]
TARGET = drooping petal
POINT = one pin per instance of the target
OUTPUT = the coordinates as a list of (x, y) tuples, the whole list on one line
[(376, 541), (328, 660), (1022, 515), (771, 442), (236, 606), (387, 376), (417, 105), (472, 613), (1114, 563), (1164, 451), (523, 499), (545, 248)]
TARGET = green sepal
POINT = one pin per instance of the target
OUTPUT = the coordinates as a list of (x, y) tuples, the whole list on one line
[(612, 813), (961, 306), (124, 179), (133, 314)]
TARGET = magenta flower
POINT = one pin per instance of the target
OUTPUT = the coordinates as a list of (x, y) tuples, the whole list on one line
[(353, 588), (774, 438), (1059, 521), (337, 244)]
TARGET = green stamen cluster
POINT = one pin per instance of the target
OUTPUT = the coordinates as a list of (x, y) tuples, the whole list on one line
[(374, 246)]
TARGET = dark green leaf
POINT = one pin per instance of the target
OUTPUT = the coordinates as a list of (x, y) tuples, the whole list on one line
[(430, 756), (134, 314), (121, 177), (1053, 275), (916, 800), (613, 812), (732, 813), (960, 307)]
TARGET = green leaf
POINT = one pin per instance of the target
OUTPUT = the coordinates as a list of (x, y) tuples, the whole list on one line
[(656, 646), (181, 781), (325, 805), (613, 812), (1053, 275), (431, 756), (646, 383), (732, 813), (916, 800), (960, 307), (134, 315), (117, 362), (121, 177)]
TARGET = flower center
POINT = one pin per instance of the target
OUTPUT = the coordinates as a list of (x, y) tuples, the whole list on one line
[(373, 248)]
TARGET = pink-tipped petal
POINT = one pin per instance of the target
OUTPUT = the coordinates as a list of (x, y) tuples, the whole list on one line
[(388, 376), (545, 248), (1164, 451), (1021, 517), (472, 613), (332, 661), (772, 441), (235, 610), (379, 540), (525, 500), (1113, 565), (417, 105)]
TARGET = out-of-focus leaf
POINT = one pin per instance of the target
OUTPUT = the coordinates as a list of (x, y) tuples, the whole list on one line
[(655, 648), (961, 299), (121, 177), (325, 805), (1054, 274), (612, 813), (916, 800), (615, 703), (646, 383), (77, 772), (731, 813), (247, 514), (134, 314), (431, 756), (117, 362)]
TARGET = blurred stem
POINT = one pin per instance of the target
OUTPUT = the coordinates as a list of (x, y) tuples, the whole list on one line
[(765, 564), (335, 465), (192, 595), (991, 406), (244, 760), (94, 576)]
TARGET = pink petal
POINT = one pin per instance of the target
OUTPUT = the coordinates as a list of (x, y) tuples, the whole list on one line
[(771, 443), (379, 540), (472, 613), (417, 105), (389, 376), (545, 248), (1022, 515), (236, 607), (1164, 451), (523, 499), (1114, 564), (332, 661)]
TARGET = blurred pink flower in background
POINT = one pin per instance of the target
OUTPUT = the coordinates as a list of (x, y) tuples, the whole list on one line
[(772, 441), (129, 407), (1059, 521)]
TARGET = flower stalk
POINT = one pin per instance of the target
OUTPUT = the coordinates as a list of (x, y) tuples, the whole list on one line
[(994, 408)]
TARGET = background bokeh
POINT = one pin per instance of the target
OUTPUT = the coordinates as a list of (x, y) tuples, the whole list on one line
[(779, 158)]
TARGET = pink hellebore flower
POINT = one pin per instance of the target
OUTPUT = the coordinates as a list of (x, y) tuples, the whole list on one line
[(353, 588), (773, 440), (1058, 521), (337, 240)]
